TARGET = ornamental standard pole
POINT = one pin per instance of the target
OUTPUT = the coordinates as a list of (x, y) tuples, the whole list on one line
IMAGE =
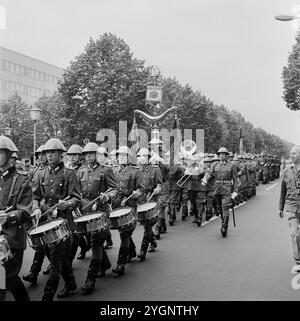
[(34, 142)]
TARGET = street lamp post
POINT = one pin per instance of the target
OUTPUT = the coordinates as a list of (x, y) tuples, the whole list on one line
[(35, 114)]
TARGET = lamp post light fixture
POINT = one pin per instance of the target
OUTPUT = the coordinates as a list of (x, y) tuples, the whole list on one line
[(35, 115), (286, 17)]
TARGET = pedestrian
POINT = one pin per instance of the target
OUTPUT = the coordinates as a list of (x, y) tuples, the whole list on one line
[(290, 201)]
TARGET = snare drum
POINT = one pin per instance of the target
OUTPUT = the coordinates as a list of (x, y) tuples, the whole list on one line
[(5, 253), (121, 218), (147, 212), (92, 222), (49, 233)]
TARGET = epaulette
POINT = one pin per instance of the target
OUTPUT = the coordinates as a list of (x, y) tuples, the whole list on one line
[(20, 172)]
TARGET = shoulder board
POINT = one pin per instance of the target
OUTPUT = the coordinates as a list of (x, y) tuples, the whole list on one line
[(155, 166), (20, 172)]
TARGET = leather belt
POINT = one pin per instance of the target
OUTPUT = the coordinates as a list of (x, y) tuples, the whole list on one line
[(223, 181)]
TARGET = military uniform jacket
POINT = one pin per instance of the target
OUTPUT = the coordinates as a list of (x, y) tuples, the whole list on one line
[(175, 173), (54, 184), (150, 177), (96, 179), (33, 173), (128, 179), (225, 176), (21, 200)]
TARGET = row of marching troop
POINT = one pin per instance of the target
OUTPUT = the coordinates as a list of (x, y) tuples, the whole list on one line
[(62, 205)]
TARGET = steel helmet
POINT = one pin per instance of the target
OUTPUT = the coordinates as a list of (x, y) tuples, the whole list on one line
[(143, 152), (74, 149), (90, 147), (223, 150), (14, 155), (6, 143), (39, 150), (124, 150), (54, 144), (215, 158), (207, 159), (113, 152), (102, 150)]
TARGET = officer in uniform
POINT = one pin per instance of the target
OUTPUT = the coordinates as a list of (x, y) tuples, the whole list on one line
[(16, 192), (129, 184), (215, 159), (184, 193), (40, 252), (95, 179), (74, 154), (53, 184), (225, 188), (151, 179)]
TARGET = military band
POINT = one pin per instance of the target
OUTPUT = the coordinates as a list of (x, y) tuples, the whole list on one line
[(99, 186)]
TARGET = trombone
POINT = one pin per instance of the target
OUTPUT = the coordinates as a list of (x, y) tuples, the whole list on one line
[(187, 147)]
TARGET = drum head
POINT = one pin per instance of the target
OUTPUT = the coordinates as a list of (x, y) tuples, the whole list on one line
[(120, 212), (46, 226), (88, 217), (146, 207)]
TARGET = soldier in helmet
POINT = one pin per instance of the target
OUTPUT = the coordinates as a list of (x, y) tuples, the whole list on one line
[(95, 181), (83, 241), (14, 158), (40, 252), (128, 179), (102, 156), (53, 184), (151, 179), (225, 187), (16, 193)]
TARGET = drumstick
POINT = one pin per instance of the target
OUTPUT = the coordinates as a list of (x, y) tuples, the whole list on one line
[(50, 209), (94, 200), (148, 200), (126, 199)]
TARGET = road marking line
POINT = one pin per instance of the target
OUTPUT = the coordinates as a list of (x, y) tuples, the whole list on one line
[(271, 186)]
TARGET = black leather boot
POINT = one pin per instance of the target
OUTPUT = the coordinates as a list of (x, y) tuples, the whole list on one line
[(163, 226), (47, 271), (119, 269), (184, 212), (105, 265), (30, 277), (89, 285), (68, 290), (224, 227)]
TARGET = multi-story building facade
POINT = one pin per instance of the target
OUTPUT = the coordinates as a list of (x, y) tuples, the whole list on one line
[(29, 77)]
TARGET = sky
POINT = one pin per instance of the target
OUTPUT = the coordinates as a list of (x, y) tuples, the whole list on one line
[(232, 51)]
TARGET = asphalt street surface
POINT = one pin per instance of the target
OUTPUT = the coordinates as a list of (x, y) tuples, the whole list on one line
[(253, 263)]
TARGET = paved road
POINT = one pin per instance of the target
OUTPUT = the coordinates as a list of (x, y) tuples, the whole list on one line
[(191, 263)]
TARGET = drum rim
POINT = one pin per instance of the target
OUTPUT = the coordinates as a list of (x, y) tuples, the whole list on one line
[(44, 223), (100, 214), (149, 209), (119, 209)]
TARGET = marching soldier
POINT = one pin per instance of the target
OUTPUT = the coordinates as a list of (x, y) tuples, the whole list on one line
[(53, 184), (151, 179), (95, 180), (129, 184), (184, 194), (74, 154), (225, 188), (40, 252), (16, 192)]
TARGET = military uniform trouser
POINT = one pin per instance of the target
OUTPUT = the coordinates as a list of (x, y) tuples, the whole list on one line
[(12, 279), (224, 203), (198, 200), (80, 240), (60, 255), (38, 259), (209, 203), (294, 227), (174, 198), (127, 246), (184, 201), (148, 234)]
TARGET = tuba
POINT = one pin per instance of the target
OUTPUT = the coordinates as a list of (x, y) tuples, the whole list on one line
[(188, 147)]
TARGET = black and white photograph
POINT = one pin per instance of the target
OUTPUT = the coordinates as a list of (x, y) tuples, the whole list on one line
[(149, 154)]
